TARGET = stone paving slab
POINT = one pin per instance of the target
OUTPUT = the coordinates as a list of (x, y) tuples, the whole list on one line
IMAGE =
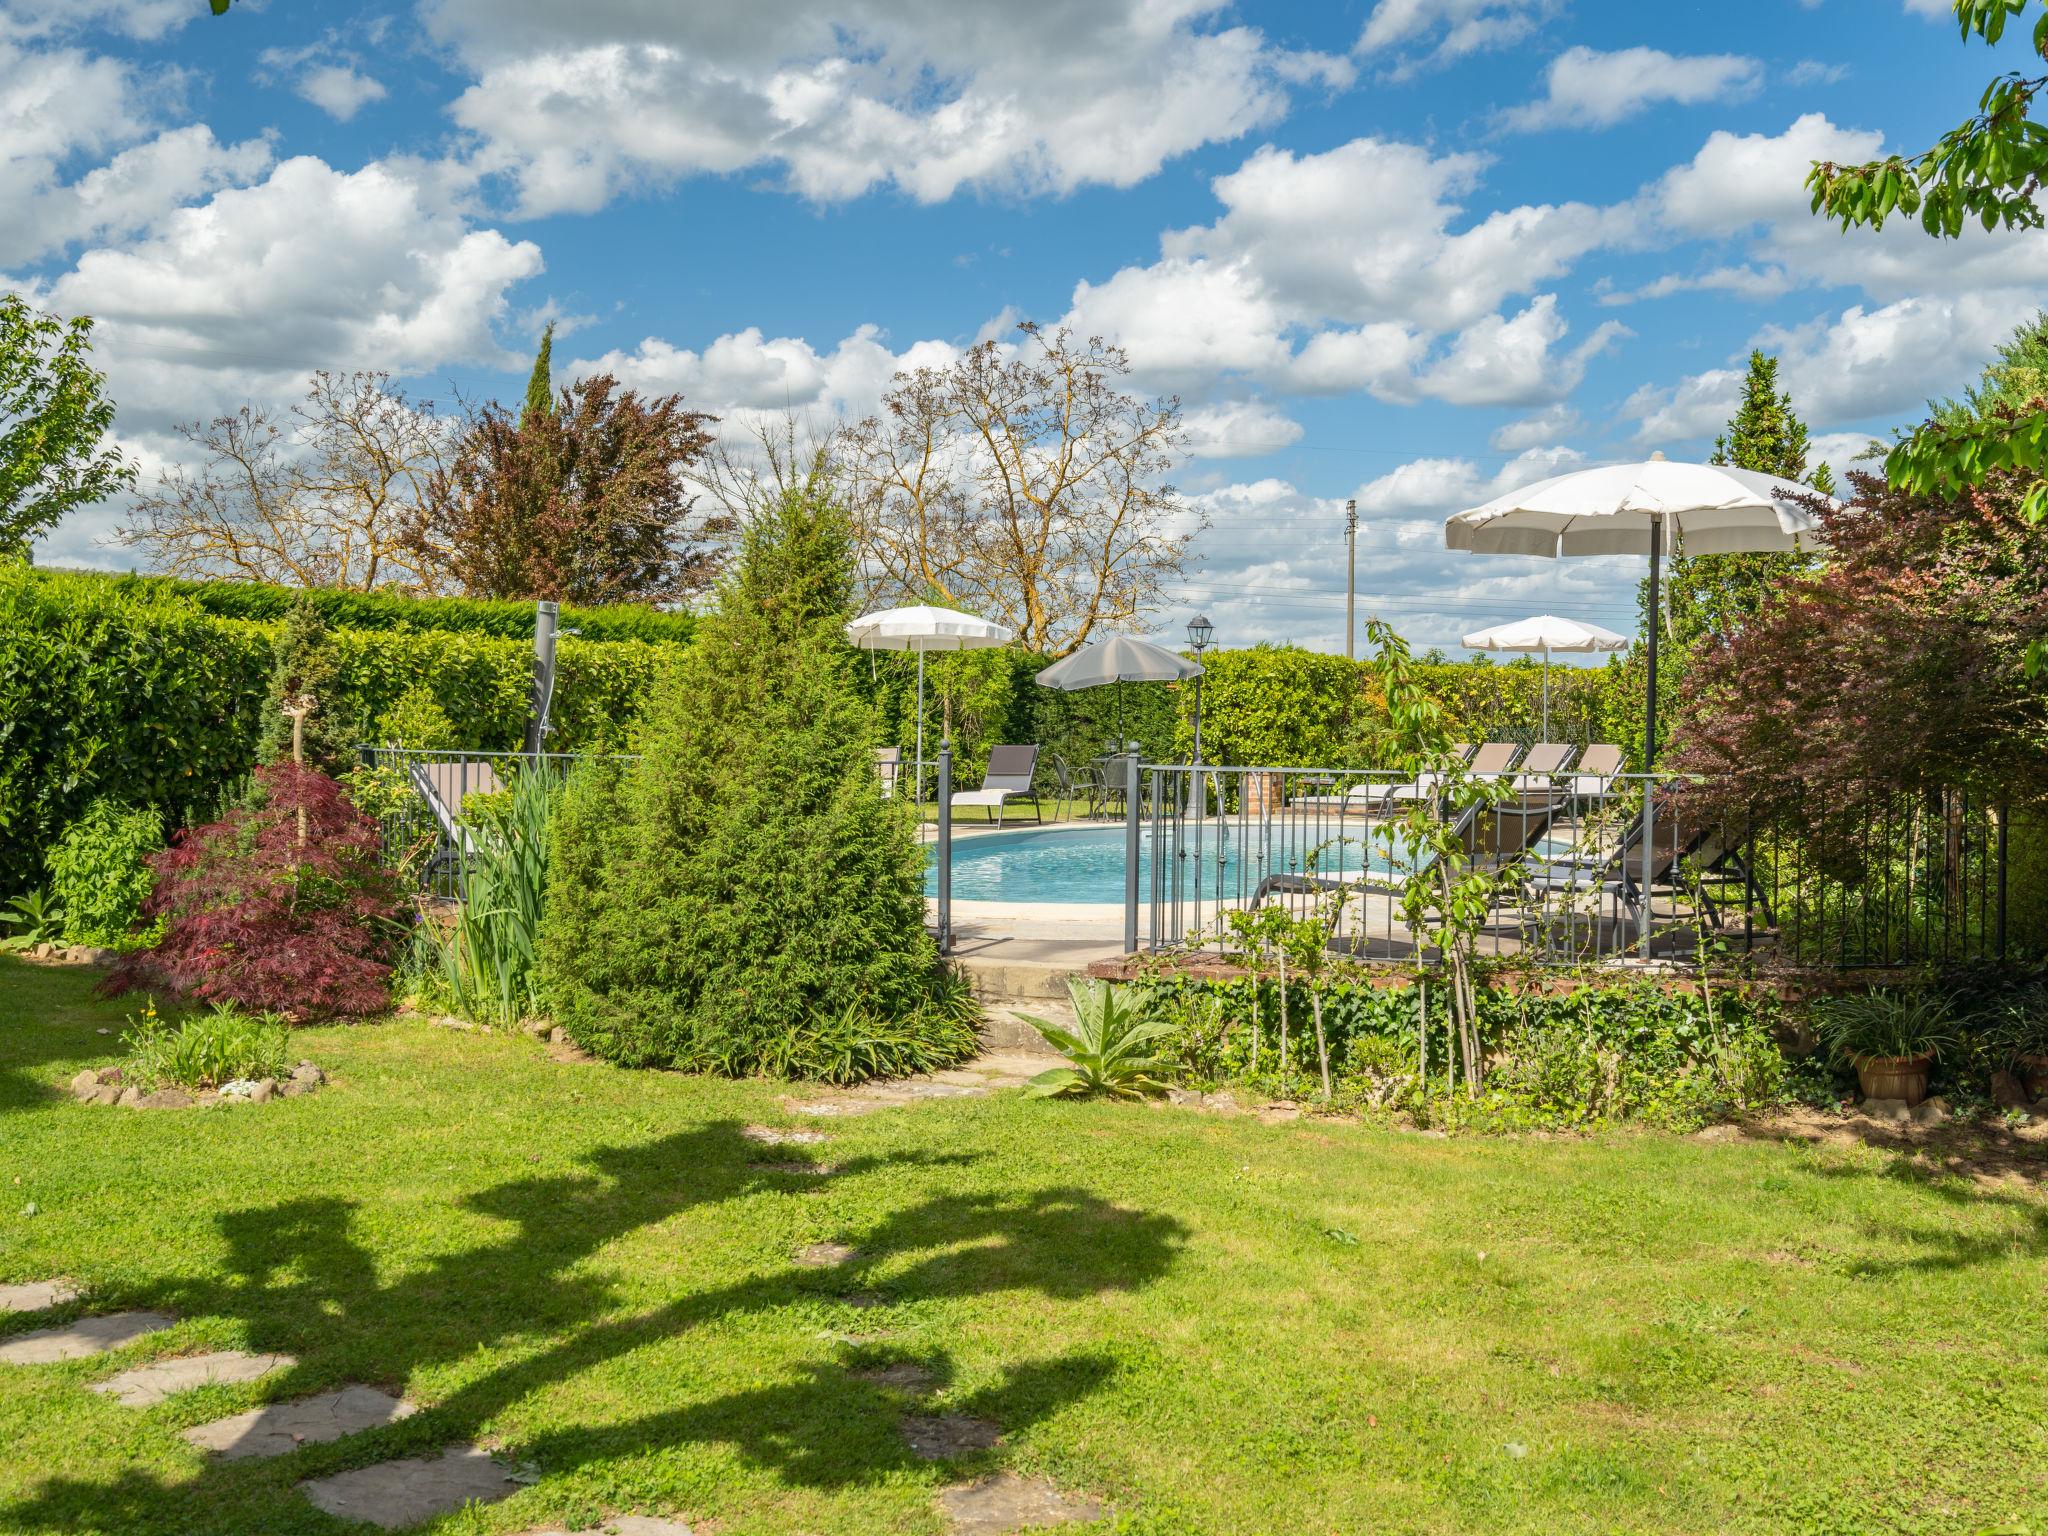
[(37, 1295), (902, 1376), (621, 1525), (1003, 1503), (87, 1336), (774, 1136), (823, 1255), (399, 1493), (941, 1437), (149, 1384), (277, 1428)]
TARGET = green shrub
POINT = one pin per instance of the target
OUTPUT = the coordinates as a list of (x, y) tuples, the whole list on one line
[(1914, 1022), (105, 688), (205, 1050), (417, 722), (100, 872), (488, 963), (1591, 1056), (744, 878)]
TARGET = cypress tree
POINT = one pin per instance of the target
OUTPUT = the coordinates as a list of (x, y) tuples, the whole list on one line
[(540, 384), (1713, 595), (744, 879), (305, 666)]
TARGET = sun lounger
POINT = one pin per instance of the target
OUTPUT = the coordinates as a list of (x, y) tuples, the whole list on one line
[(1010, 771), (1539, 770), (888, 769), (444, 786)]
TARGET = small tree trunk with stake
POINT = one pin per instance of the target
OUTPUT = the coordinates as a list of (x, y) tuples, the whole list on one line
[(298, 709), (1286, 1067), (1315, 1002)]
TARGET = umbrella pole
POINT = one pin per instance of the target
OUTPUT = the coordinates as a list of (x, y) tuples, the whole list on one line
[(920, 740), (1650, 737), (1546, 693)]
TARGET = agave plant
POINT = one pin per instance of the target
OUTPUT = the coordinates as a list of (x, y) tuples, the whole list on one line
[(1110, 1046)]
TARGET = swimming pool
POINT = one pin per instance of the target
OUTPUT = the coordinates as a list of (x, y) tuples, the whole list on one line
[(1069, 866)]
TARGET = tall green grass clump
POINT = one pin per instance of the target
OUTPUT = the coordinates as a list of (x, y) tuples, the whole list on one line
[(489, 962), (739, 895)]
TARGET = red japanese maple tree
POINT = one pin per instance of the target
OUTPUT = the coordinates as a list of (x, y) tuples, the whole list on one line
[(1898, 664), (262, 916)]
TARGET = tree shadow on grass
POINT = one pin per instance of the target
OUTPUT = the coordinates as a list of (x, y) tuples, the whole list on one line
[(300, 1282), (1941, 1246), (46, 1020)]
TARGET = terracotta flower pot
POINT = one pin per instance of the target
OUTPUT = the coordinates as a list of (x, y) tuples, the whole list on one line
[(1895, 1077), (2035, 1070)]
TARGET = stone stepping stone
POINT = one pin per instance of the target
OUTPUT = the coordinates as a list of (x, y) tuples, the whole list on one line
[(1004, 1502), (943, 1436), (87, 1336), (37, 1295), (150, 1384), (817, 1170), (823, 1255), (622, 1525), (398, 1493), (772, 1136), (902, 1376), (278, 1428)]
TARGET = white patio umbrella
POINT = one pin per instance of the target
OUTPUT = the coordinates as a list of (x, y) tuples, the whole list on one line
[(1119, 660), (1645, 508), (1546, 633), (924, 628)]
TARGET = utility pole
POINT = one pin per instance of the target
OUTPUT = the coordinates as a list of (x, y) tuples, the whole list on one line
[(1351, 580)]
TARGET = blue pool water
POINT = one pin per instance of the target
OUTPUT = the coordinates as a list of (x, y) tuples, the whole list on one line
[(1087, 864)]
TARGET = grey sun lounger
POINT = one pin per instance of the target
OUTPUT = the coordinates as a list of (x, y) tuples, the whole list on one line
[(888, 769), (443, 786), (1010, 771)]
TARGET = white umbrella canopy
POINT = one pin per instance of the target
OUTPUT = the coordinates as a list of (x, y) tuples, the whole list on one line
[(925, 628), (1546, 633), (1654, 507), (1119, 660), (1615, 509)]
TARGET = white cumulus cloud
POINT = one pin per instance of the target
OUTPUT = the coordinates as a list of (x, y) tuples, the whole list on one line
[(1586, 88)]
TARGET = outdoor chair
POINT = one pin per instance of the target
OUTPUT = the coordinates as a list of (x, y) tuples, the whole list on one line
[(1076, 785), (1619, 873), (1488, 762), (1539, 770), (1010, 772), (888, 769)]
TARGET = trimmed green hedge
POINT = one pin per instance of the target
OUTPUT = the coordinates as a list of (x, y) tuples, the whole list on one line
[(508, 619), (130, 689), (115, 690)]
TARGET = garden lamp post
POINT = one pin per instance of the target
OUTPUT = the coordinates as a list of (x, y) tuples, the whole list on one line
[(1200, 633)]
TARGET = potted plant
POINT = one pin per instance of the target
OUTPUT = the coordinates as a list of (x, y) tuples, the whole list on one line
[(2026, 1028), (1890, 1038)]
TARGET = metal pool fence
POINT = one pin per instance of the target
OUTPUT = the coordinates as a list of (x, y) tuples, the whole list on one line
[(1587, 867)]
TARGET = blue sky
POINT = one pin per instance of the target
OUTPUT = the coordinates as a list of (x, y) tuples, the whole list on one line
[(1408, 251)]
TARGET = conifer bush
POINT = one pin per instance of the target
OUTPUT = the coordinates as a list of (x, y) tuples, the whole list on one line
[(745, 879)]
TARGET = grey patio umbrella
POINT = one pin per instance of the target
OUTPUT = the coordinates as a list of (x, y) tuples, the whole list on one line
[(1119, 660)]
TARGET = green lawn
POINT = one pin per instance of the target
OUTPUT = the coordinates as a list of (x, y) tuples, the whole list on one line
[(1215, 1324)]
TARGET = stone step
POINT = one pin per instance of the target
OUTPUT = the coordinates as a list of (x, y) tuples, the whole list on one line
[(146, 1385), (1013, 981), (392, 1494), (1003, 1503), (276, 1429), (37, 1295), (621, 1525), (76, 1341)]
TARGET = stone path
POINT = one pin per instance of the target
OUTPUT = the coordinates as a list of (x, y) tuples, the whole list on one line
[(1004, 1502), (146, 1385), (396, 1493), (37, 1295), (277, 1428), (76, 1341), (943, 1436), (775, 1136), (622, 1525), (974, 1080), (903, 1376)]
